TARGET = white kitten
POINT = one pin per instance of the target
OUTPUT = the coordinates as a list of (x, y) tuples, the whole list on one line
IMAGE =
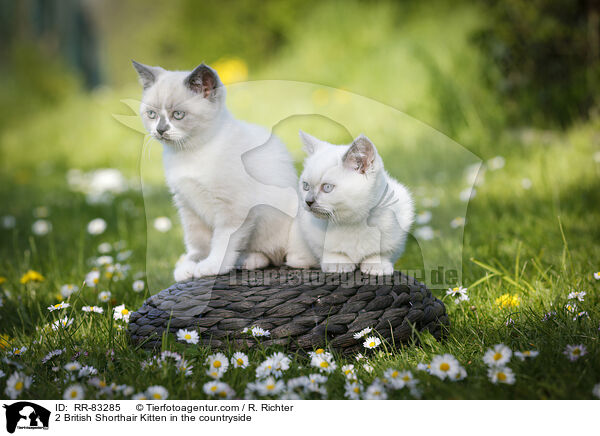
[(354, 213), (233, 182)]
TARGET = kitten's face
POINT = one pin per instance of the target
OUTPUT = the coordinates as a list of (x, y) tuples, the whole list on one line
[(178, 105), (338, 180)]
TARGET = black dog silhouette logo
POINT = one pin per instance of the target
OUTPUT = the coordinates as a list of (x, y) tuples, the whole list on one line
[(26, 415)]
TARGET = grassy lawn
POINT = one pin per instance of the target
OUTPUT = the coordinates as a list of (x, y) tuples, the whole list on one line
[(531, 229)]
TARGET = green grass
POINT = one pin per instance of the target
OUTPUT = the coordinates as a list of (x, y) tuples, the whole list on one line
[(539, 243)]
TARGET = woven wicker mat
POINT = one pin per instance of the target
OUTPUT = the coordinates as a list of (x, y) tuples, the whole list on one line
[(301, 309)]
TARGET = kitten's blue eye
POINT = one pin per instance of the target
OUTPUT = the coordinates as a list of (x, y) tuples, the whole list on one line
[(327, 187), (305, 186), (178, 115), (151, 114)]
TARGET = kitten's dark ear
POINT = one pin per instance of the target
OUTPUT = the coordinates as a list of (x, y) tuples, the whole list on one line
[(361, 155), (147, 74), (204, 80), (311, 144)]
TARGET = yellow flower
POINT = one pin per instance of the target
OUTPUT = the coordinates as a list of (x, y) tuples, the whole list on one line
[(231, 70), (2, 280), (4, 342), (320, 97), (508, 300), (32, 276)]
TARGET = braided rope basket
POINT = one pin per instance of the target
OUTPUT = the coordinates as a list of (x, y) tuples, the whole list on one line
[(301, 309)]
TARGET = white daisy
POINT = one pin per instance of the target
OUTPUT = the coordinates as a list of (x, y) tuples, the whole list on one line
[(324, 362), (363, 332), (426, 233), (353, 390), (218, 389), (461, 374), (572, 308), (73, 366), (424, 367), (121, 313), (459, 293), (189, 336), (16, 384), (597, 275), (124, 255), (444, 365), (501, 374), (269, 386), (423, 217), (87, 371), (96, 226), (67, 290), (349, 372), (104, 296), (466, 194), (496, 163), (574, 352), (18, 351), (140, 397), (398, 379), (104, 248), (94, 309), (162, 224), (217, 365), (522, 355), (499, 355), (41, 227), (61, 305), (257, 332), (184, 367), (62, 323), (74, 392), (138, 286), (457, 222), (104, 261), (368, 368), (581, 314), (92, 278), (372, 342), (239, 360), (376, 391), (579, 295), (157, 393), (9, 221)]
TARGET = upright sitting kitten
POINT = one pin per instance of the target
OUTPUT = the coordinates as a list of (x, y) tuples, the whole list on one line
[(354, 213), (233, 183)]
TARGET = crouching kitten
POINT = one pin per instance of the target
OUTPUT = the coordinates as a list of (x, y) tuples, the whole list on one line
[(355, 214)]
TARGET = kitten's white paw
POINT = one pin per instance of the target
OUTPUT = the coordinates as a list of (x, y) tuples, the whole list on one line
[(184, 270), (208, 267), (338, 267), (377, 269), (255, 261), (300, 262)]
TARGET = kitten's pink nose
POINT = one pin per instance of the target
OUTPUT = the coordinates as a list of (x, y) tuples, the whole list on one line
[(161, 130)]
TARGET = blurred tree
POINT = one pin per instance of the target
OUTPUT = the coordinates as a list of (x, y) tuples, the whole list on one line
[(54, 29), (548, 56)]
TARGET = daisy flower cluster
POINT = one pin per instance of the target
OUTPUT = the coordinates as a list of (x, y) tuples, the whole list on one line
[(167, 360), (496, 358)]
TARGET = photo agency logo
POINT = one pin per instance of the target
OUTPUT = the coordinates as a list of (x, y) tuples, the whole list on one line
[(441, 176), (24, 415)]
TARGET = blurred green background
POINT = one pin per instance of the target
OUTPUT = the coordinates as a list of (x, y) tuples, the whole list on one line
[(513, 82)]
